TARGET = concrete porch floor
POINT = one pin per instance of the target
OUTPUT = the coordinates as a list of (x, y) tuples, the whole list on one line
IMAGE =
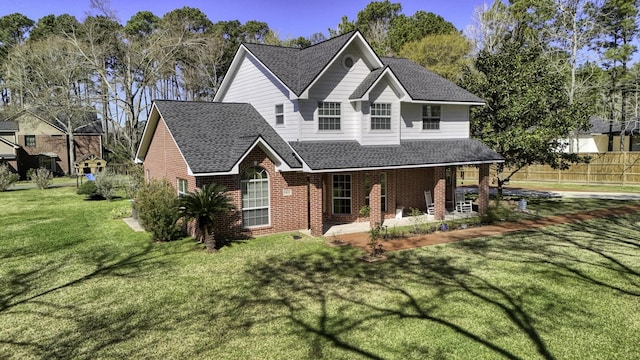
[(359, 227)]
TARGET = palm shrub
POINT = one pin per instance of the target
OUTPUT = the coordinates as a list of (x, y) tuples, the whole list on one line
[(7, 177), (203, 206), (157, 206)]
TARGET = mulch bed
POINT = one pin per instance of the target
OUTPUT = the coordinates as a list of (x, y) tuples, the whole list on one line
[(361, 240)]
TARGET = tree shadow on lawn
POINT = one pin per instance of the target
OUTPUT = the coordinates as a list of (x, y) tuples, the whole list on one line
[(330, 297), (587, 251), (87, 329)]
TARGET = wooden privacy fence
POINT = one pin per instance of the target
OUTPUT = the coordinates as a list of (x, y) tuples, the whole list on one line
[(613, 168)]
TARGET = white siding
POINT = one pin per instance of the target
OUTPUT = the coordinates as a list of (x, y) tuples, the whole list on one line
[(253, 84), (336, 85), (454, 122), (381, 93)]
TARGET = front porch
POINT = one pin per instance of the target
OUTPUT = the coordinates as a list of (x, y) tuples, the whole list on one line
[(336, 199), (335, 230)]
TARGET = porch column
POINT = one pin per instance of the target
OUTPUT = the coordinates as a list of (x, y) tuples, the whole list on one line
[(439, 192), (375, 213), (315, 204), (483, 189)]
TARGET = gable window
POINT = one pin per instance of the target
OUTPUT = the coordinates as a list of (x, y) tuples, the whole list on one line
[(255, 197), (328, 116), (431, 117), (383, 191), (342, 194), (279, 114), (380, 116), (30, 140), (183, 187)]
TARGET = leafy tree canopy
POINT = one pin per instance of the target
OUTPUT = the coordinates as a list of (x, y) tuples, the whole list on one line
[(527, 111), (444, 54)]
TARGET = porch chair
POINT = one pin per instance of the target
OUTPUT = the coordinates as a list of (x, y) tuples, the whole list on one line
[(431, 208), (463, 205)]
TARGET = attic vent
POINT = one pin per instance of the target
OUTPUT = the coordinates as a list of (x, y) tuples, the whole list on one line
[(348, 62)]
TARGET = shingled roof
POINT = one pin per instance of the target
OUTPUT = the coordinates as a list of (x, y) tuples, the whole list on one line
[(336, 155), (213, 137), (9, 126), (298, 68), (423, 84)]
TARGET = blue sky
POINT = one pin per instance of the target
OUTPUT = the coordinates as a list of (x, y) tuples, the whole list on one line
[(290, 18)]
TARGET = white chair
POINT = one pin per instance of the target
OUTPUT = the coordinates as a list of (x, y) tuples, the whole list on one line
[(431, 208), (463, 205)]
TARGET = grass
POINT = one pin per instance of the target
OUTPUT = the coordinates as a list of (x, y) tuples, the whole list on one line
[(75, 283)]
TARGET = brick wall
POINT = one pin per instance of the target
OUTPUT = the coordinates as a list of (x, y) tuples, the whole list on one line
[(288, 191), (87, 144)]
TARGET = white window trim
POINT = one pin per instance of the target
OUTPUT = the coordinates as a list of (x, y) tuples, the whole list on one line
[(439, 118), (268, 207), (186, 187), (279, 114), (333, 197), (371, 116), (339, 116)]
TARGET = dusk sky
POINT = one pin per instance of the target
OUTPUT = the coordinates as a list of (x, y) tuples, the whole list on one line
[(289, 18)]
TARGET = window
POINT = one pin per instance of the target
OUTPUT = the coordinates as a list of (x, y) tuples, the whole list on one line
[(30, 140), (279, 114), (348, 62), (328, 116), (383, 190), (380, 116), (342, 194), (255, 197), (431, 117), (183, 187)]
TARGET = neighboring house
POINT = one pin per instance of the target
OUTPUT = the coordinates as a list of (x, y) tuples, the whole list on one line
[(600, 132), (303, 138), (28, 141)]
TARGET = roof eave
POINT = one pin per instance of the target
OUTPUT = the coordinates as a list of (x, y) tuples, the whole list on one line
[(280, 164), (414, 166)]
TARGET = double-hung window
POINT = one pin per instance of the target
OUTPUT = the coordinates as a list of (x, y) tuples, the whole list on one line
[(30, 140), (183, 187), (380, 116), (342, 194), (328, 116), (431, 117), (279, 114)]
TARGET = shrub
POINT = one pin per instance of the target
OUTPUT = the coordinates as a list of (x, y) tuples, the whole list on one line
[(41, 177), (157, 207), (7, 177), (203, 206), (106, 185), (121, 212), (496, 213), (89, 189)]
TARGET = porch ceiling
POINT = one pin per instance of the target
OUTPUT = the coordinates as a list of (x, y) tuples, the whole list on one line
[(342, 155)]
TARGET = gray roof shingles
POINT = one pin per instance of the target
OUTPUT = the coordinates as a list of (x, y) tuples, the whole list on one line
[(9, 126), (214, 136), (298, 68), (351, 155)]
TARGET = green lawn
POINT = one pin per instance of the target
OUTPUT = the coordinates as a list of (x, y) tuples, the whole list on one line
[(75, 283)]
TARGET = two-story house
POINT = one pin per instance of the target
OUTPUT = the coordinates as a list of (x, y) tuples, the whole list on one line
[(30, 141), (306, 137)]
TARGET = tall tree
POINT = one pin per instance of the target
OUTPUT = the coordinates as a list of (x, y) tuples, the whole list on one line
[(406, 29), (444, 54), (55, 80), (619, 22), (528, 111), (13, 31)]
